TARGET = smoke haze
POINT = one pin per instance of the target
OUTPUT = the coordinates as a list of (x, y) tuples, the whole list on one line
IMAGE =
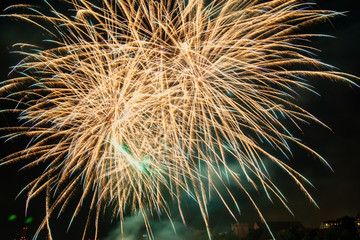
[(134, 229)]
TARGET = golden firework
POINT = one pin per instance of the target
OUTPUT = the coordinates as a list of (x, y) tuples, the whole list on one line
[(140, 101)]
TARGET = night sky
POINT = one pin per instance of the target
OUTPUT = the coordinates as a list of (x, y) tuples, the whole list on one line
[(337, 193)]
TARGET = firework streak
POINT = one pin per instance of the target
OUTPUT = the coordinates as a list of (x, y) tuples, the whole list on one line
[(141, 102)]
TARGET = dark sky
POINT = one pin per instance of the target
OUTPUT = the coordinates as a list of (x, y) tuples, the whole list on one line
[(337, 193)]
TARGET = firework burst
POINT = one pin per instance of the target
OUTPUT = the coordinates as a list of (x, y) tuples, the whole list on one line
[(142, 101)]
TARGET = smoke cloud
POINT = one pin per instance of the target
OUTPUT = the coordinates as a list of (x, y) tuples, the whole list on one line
[(134, 229)]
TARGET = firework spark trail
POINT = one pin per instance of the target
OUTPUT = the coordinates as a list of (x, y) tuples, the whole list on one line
[(141, 100)]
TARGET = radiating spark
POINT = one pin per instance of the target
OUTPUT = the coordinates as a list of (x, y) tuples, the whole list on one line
[(141, 101)]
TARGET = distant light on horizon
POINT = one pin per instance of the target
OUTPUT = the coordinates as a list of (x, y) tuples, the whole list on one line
[(12, 217), (28, 220)]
